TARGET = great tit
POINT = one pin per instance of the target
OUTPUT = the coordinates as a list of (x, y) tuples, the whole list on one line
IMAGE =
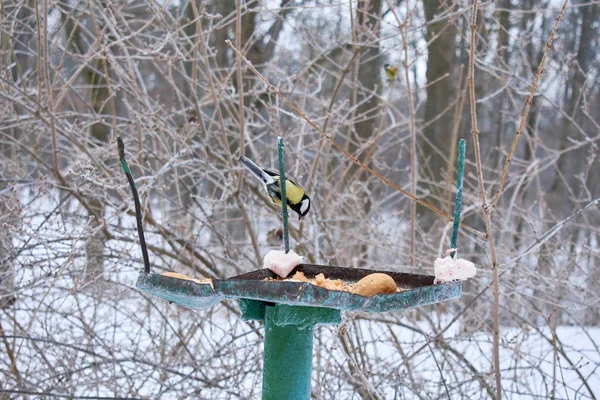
[(390, 71), (296, 199)]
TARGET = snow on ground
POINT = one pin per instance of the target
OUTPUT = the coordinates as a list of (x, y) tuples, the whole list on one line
[(128, 344), (112, 340), (527, 362)]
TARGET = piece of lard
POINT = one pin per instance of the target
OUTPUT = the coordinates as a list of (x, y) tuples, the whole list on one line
[(447, 269), (281, 263)]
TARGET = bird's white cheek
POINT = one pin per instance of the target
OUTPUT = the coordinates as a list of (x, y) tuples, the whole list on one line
[(304, 206)]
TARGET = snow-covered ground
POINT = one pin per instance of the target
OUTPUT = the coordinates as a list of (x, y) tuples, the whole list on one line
[(112, 340), (122, 344)]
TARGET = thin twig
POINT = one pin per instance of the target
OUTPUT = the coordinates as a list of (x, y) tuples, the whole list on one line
[(528, 104), (104, 51), (402, 27), (484, 204), (213, 90), (554, 230), (240, 82), (251, 233), (413, 152), (328, 118), (49, 94), (47, 394), (11, 356), (39, 54), (345, 152)]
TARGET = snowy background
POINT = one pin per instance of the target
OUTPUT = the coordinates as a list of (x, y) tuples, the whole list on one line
[(159, 74)]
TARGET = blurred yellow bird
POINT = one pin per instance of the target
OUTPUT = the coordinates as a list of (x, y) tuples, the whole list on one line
[(296, 199), (390, 71)]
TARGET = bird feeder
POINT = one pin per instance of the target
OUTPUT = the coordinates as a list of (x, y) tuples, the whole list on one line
[(291, 309)]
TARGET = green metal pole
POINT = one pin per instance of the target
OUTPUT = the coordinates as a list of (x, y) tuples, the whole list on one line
[(284, 211), (136, 202), (287, 359), (459, 193)]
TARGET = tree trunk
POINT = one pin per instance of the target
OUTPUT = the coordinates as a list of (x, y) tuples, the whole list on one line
[(441, 60), (368, 15), (100, 132), (8, 216), (368, 18), (100, 135), (16, 58)]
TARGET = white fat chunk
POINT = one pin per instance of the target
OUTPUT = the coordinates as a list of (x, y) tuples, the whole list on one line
[(447, 270), (281, 263)]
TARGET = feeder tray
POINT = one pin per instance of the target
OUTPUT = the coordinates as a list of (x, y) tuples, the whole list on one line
[(291, 309), (415, 290)]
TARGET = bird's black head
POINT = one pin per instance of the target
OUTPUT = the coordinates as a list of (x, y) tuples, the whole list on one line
[(303, 207), (386, 66)]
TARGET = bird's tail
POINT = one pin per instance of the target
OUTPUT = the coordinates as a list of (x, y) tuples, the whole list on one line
[(256, 170)]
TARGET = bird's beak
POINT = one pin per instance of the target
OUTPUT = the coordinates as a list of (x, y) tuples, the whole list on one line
[(300, 217)]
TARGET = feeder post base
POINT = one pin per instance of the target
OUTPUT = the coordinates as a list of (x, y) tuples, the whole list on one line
[(287, 360)]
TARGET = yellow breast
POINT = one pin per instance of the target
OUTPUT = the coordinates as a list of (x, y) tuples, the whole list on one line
[(293, 192)]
